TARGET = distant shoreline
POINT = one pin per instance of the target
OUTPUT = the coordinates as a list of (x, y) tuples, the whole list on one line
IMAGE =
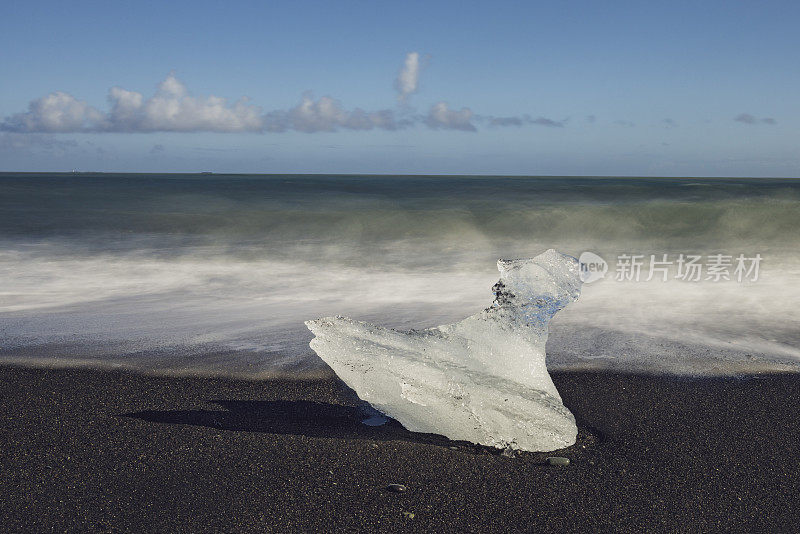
[(399, 175)]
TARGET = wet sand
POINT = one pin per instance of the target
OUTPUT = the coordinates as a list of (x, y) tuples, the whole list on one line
[(111, 451)]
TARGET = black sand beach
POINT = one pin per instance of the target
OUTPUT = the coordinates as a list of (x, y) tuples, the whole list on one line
[(95, 451)]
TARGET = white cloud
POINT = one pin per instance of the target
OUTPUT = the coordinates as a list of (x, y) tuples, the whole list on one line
[(327, 115), (54, 113), (440, 116), (408, 78), (171, 109)]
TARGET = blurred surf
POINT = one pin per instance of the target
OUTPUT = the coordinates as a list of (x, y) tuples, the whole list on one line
[(215, 273)]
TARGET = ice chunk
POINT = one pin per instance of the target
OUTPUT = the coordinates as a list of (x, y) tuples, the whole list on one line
[(483, 379)]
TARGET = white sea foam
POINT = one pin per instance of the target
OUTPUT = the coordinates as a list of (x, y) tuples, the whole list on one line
[(206, 299)]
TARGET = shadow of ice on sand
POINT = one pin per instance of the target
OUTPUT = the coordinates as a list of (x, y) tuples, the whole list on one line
[(313, 419)]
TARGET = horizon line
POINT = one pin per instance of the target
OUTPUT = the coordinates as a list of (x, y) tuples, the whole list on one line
[(422, 175)]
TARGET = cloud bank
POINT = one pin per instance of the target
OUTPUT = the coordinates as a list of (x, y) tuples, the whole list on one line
[(327, 115), (170, 109), (55, 113), (173, 108)]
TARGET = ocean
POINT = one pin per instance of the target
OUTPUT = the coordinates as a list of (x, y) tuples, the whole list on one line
[(215, 274)]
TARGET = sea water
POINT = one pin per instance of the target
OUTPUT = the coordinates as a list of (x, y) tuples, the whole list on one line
[(217, 273)]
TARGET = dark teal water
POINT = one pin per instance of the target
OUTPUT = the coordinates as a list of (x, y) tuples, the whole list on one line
[(263, 208)]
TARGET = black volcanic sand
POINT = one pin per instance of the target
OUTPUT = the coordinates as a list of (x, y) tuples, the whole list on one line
[(94, 451)]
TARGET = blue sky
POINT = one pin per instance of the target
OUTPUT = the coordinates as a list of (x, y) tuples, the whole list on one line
[(563, 88)]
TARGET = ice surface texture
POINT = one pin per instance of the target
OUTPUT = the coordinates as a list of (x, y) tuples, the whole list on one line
[(483, 379)]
